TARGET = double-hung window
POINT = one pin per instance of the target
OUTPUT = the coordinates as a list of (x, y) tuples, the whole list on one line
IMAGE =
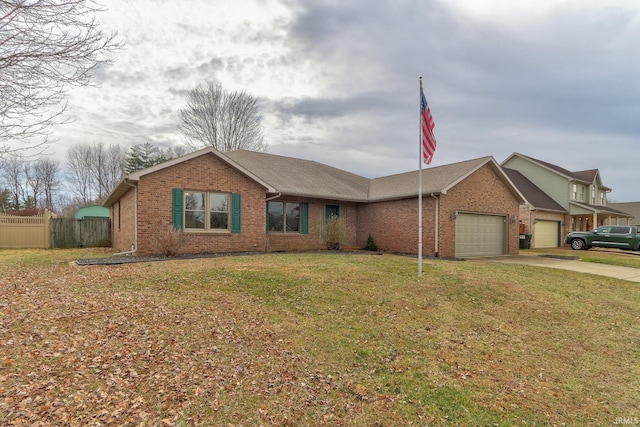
[(206, 211)]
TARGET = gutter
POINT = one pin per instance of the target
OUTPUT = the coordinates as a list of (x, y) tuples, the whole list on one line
[(437, 227), (134, 246), (277, 196), (266, 233)]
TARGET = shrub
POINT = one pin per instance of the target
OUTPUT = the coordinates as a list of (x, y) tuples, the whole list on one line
[(168, 241), (371, 245), (334, 233)]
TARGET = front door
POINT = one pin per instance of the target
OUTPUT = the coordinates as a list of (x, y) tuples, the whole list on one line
[(332, 211)]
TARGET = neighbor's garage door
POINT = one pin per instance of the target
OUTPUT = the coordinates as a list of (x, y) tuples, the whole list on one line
[(480, 235), (547, 234)]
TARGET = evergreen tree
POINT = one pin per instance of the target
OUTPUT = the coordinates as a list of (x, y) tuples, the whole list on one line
[(5, 204), (142, 156)]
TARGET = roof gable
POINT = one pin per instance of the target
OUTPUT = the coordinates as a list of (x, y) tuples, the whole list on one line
[(532, 193), (435, 180), (587, 176), (135, 176), (125, 185)]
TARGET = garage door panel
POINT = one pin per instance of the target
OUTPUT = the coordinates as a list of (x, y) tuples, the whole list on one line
[(547, 234), (480, 235)]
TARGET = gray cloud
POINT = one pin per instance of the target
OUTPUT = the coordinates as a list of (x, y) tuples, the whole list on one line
[(565, 81), (338, 81)]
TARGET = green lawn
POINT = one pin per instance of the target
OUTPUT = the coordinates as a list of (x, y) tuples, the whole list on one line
[(313, 339)]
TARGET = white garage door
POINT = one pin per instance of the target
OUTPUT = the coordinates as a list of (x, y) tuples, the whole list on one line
[(546, 234), (480, 235)]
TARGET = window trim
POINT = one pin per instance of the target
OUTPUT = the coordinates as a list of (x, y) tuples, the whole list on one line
[(207, 212), (303, 219)]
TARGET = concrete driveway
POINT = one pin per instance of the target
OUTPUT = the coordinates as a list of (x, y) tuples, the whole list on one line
[(624, 273)]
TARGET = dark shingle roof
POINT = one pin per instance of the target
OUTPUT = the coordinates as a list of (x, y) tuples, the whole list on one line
[(308, 178), (600, 209), (303, 177), (534, 195), (298, 177), (434, 180)]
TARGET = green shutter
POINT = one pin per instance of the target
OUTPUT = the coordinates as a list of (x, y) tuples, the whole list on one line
[(177, 209), (305, 218), (236, 225)]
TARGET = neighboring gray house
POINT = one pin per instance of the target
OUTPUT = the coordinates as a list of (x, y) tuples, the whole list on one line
[(558, 200), (540, 215), (632, 208)]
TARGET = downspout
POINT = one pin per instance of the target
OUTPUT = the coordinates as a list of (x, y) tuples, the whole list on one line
[(274, 197), (437, 227), (266, 233), (134, 246)]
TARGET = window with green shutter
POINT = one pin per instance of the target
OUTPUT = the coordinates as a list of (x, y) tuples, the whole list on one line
[(287, 217), (206, 211), (177, 209), (305, 218), (236, 217)]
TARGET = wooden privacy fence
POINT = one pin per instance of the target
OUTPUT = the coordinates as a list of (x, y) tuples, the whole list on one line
[(24, 231), (80, 233), (44, 231)]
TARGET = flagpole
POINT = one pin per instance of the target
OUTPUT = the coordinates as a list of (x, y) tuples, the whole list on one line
[(420, 185)]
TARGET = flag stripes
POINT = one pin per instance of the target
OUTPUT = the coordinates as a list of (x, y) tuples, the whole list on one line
[(427, 124)]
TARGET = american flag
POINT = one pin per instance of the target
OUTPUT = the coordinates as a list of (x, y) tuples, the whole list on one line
[(426, 124)]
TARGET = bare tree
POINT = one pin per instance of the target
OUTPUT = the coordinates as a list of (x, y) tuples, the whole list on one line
[(46, 47), (108, 168), (13, 177), (94, 170), (80, 176), (33, 187), (48, 171), (221, 119)]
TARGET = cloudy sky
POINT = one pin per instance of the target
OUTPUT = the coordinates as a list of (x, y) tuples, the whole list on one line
[(337, 81)]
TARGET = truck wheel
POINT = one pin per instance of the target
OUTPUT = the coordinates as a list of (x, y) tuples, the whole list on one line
[(578, 244)]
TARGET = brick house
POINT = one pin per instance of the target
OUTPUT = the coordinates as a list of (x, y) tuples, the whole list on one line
[(245, 201), (558, 200)]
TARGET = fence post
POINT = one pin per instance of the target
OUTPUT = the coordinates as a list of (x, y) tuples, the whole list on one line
[(47, 228)]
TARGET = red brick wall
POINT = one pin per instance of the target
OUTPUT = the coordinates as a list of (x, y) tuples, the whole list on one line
[(122, 222), (482, 192), (208, 173), (394, 224), (204, 173), (314, 240)]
